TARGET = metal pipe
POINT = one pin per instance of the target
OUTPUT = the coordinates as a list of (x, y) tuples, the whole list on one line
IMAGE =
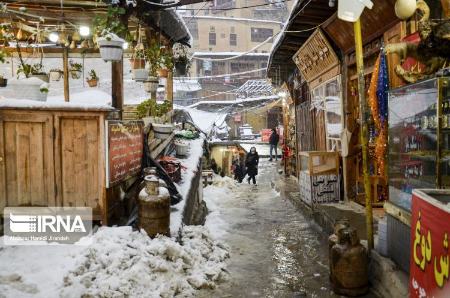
[(364, 116)]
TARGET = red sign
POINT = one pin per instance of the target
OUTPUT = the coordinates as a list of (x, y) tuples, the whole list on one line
[(429, 266), (265, 134), (125, 150)]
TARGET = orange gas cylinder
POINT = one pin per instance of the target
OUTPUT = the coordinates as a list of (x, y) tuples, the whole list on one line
[(349, 265)]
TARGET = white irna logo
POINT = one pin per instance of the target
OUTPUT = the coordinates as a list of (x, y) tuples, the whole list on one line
[(45, 223)]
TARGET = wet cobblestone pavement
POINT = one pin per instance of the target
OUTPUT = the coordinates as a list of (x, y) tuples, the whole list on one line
[(276, 251)]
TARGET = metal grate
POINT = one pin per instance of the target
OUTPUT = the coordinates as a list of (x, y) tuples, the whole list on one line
[(399, 239)]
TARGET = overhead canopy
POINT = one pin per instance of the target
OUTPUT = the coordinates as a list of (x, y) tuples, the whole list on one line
[(305, 15), (74, 13)]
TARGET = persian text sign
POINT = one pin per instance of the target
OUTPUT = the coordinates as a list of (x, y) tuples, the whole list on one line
[(125, 150), (429, 266)]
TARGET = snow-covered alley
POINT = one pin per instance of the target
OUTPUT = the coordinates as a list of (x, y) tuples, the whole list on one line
[(275, 251)]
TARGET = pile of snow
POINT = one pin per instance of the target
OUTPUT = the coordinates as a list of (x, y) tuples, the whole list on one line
[(118, 263), (215, 195)]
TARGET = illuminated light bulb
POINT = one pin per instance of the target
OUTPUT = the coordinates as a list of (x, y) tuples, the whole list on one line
[(125, 45), (53, 37), (85, 31)]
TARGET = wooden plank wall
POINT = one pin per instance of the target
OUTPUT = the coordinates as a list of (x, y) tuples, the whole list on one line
[(27, 152), (52, 158)]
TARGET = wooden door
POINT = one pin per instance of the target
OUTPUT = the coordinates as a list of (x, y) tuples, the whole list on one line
[(79, 163), (26, 166)]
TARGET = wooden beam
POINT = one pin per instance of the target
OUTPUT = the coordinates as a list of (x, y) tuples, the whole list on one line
[(117, 86)]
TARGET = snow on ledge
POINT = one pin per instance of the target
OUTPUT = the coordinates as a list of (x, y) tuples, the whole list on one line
[(86, 100)]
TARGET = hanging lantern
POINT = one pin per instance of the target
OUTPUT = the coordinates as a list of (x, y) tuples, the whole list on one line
[(140, 46), (62, 38), (19, 34), (76, 36), (84, 44), (404, 9)]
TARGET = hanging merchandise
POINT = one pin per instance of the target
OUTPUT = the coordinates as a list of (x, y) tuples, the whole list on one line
[(382, 88), (373, 100)]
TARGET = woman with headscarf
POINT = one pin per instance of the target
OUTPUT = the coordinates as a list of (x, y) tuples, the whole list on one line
[(251, 162)]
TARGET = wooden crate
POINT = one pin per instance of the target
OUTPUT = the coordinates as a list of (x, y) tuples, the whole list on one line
[(319, 162)]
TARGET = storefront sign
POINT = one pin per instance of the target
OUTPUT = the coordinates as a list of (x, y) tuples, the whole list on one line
[(125, 150), (430, 260)]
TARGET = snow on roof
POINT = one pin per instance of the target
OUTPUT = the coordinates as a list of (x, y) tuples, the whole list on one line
[(229, 54), (90, 99), (204, 120), (230, 102), (255, 86), (234, 19)]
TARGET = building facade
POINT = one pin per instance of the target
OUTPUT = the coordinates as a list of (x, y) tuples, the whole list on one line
[(224, 32)]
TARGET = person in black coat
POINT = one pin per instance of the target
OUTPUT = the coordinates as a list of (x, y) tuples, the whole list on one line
[(251, 162), (273, 141), (238, 171)]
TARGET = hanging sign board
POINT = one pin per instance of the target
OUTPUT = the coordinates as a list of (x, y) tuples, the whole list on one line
[(430, 247), (125, 150), (316, 57)]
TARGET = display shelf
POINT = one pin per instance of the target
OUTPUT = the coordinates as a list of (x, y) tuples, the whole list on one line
[(417, 140)]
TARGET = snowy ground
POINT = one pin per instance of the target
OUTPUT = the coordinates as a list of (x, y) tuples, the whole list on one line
[(119, 263), (275, 250)]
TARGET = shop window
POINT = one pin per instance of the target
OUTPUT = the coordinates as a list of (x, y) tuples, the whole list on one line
[(212, 39), (233, 39), (260, 34), (327, 97)]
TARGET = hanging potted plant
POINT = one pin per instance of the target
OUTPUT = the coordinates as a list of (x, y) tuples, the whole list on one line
[(110, 30), (181, 60), (138, 59), (140, 74), (92, 79), (75, 70), (55, 74), (153, 57), (166, 65)]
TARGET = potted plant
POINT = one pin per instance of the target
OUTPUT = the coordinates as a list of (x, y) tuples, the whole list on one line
[(92, 79), (140, 74), (111, 31), (75, 70), (138, 59), (55, 74), (35, 70), (181, 59), (166, 64), (153, 57)]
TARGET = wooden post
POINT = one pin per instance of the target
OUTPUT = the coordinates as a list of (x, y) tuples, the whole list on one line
[(169, 89), (117, 86), (66, 73)]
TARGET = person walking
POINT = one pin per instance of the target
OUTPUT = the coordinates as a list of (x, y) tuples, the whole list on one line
[(273, 141), (238, 170), (251, 162)]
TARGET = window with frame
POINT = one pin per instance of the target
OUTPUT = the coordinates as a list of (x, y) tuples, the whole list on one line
[(233, 39), (260, 34), (212, 38)]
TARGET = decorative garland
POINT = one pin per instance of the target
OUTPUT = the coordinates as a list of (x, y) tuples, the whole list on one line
[(379, 85)]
